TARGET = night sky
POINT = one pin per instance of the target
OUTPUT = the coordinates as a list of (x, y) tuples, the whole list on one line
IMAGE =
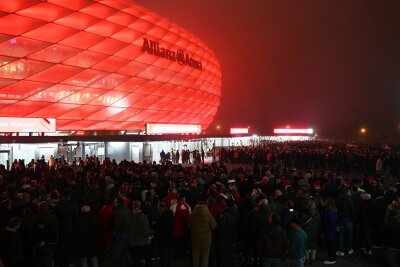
[(330, 65)]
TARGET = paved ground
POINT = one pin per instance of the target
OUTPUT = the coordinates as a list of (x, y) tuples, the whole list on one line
[(378, 259)]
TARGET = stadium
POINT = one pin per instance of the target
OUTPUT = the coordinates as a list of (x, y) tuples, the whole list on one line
[(102, 65)]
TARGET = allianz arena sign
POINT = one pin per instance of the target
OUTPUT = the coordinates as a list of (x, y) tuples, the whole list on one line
[(103, 65)]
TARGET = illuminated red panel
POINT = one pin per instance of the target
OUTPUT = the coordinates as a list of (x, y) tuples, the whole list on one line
[(56, 74), (85, 78), (15, 5), (52, 12), (15, 25), (22, 68), (20, 47), (84, 58), (6, 82), (147, 101), (82, 40), (112, 64), (108, 46), (6, 102), (71, 4), (6, 60), (121, 18), (81, 112), (22, 89), (84, 96), (108, 98), (50, 33), (126, 35), (132, 68), (77, 20), (54, 110), (126, 114), (104, 28), (22, 108), (54, 93), (111, 81), (129, 100), (132, 85), (54, 53), (149, 88), (98, 10), (106, 113)]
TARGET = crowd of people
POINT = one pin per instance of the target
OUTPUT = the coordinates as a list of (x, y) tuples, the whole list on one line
[(274, 211)]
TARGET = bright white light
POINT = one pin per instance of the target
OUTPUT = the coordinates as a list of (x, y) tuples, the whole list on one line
[(239, 130), (294, 131), (36, 125), (156, 128), (254, 136)]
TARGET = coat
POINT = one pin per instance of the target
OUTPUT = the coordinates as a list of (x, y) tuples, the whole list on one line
[(89, 239), (331, 222), (201, 224), (312, 227), (139, 230), (273, 241)]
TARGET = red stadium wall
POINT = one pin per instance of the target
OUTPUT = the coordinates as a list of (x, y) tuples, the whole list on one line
[(103, 65)]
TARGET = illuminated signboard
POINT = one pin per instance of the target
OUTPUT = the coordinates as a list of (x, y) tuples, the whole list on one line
[(157, 128), (294, 131), (26, 125), (239, 130)]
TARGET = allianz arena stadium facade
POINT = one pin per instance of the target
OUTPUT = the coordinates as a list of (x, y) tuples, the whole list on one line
[(103, 65)]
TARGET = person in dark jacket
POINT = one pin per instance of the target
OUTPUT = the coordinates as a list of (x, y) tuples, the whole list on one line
[(368, 222), (140, 236), (11, 247), (330, 229), (392, 238), (255, 220), (346, 215), (120, 227), (164, 235), (312, 226), (225, 234), (297, 244), (273, 242), (66, 212), (89, 239), (45, 236)]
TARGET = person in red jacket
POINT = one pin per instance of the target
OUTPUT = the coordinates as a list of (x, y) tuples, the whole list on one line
[(181, 212), (105, 215)]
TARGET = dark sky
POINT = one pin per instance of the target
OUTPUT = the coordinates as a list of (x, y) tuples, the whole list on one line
[(331, 65)]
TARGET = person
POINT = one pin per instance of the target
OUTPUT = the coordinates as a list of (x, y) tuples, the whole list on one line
[(226, 234), (89, 240), (201, 223), (331, 230), (392, 238), (140, 235), (255, 220), (181, 212), (163, 234), (346, 215), (45, 236), (120, 228), (312, 227), (273, 242), (11, 246), (297, 244)]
